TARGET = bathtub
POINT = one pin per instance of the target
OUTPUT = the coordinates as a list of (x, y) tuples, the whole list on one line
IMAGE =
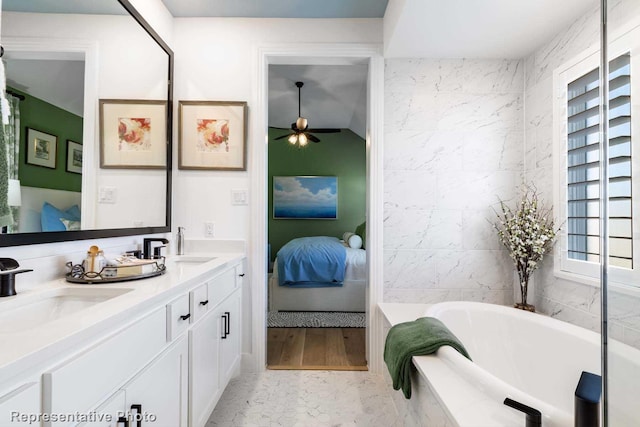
[(528, 357)]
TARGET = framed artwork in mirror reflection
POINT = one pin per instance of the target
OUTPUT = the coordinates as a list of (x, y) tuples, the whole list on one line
[(74, 157), (133, 134), (42, 148)]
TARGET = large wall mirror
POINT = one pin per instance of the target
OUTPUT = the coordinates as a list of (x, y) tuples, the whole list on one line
[(89, 142)]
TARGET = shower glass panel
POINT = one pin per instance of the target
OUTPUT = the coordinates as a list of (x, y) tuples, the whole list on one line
[(621, 288)]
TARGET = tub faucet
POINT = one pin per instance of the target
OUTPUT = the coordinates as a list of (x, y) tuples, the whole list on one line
[(8, 271), (534, 417), (146, 247)]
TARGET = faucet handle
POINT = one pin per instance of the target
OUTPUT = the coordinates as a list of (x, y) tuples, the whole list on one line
[(534, 417), (8, 271)]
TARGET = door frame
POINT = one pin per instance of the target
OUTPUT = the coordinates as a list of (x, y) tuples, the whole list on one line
[(320, 53)]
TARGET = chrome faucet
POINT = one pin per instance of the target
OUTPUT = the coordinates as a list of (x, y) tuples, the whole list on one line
[(8, 271), (146, 247)]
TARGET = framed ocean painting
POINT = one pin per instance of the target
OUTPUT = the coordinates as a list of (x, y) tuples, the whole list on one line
[(305, 197)]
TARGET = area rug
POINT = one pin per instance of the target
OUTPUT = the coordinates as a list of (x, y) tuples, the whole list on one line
[(315, 319)]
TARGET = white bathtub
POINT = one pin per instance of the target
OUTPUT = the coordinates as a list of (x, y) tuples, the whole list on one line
[(528, 357)]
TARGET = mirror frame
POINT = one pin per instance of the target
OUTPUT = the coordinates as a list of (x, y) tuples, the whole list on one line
[(65, 236)]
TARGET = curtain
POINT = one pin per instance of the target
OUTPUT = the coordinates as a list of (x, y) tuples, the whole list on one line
[(10, 155)]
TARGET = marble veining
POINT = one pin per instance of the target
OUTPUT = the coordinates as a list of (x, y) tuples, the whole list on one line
[(453, 149), (306, 399)]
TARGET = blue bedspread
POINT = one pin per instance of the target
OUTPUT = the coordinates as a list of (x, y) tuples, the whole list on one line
[(312, 262)]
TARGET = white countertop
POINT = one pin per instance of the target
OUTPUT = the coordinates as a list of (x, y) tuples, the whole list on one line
[(25, 349)]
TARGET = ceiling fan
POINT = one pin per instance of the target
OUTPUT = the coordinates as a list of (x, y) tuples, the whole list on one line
[(301, 134)]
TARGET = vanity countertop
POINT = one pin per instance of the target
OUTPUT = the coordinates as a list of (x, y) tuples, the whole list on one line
[(33, 346)]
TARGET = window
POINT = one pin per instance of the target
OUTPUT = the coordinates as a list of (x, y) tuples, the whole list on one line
[(583, 169), (577, 166)]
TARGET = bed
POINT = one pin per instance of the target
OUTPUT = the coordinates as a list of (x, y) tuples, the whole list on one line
[(345, 291)]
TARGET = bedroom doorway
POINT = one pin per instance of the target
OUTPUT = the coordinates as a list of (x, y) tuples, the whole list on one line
[(317, 205)]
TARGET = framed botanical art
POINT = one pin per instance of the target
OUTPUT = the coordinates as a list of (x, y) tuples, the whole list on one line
[(133, 134), (74, 157), (305, 197), (42, 148), (212, 135)]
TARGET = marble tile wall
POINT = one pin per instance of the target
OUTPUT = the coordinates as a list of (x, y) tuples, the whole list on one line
[(453, 148), (567, 300)]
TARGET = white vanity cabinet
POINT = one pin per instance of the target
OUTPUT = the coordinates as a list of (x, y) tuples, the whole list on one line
[(214, 346), (23, 400)]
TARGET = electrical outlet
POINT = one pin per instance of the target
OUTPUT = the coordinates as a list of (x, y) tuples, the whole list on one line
[(208, 229)]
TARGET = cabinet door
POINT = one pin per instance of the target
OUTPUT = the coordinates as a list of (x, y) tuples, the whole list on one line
[(109, 414), (231, 335), (157, 396), (24, 400), (204, 346)]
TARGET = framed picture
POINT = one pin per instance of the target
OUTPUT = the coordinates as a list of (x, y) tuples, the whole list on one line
[(42, 148), (305, 197), (133, 134), (212, 135), (74, 157)]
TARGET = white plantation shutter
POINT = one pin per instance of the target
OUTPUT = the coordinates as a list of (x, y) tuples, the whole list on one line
[(583, 169)]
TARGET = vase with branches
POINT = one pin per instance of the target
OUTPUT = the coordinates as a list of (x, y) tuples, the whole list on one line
[(528, 232)]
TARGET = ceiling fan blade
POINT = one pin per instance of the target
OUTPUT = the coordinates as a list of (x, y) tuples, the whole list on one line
[(273, 127), (283, 136), (312, 138), (324, 130)]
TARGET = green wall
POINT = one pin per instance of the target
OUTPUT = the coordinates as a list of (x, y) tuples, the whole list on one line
[(337, 154), (40, 115)]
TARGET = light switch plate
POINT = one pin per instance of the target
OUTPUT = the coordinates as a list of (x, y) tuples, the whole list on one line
[(107, 194), (239, 197)]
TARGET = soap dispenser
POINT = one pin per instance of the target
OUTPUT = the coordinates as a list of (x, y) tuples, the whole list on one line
[(180, 239)]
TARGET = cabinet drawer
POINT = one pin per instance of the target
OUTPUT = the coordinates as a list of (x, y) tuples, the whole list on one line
[(199, 302), (25, 401), (178, 316), (221, 286), (79, 383)]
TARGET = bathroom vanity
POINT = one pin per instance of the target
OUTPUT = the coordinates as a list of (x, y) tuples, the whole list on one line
[(154, 352)]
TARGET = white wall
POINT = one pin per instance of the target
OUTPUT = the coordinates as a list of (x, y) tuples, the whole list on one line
[(564, 299), (217, 62), (453, 148)]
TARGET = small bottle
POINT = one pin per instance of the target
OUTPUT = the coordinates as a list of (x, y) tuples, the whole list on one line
[(180, 238)]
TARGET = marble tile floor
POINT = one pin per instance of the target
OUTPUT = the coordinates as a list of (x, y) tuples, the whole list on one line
[(306, 399)]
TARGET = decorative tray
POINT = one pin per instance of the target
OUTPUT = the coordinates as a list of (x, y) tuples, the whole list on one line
[(113, 274)]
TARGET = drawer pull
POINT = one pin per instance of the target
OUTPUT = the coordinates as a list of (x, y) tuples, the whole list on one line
[(224, 329), (204, 302), (185, 317), (124, 421), (137, 408), (241, 274), (228, 323)]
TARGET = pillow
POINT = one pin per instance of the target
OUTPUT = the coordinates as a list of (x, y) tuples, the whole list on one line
[(70, 225), (74, 212), (50, 218), (361, 231), (352, 240)]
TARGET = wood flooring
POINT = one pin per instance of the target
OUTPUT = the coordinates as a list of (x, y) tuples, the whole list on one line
[(337, 349)]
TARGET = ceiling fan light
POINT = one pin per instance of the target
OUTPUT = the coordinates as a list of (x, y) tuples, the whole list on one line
[(302, 139), (301, 123), (293, 139)]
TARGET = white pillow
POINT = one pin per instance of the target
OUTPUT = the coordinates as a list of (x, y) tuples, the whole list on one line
[(352, 240)]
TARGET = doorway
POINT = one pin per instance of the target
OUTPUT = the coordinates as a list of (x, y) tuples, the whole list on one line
[(318, 54), (316, 177)]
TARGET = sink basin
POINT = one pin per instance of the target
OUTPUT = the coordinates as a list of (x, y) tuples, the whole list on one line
[(30, 311), (195, 259)]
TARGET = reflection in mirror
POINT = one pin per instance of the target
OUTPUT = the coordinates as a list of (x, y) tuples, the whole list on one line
[(61, 60)]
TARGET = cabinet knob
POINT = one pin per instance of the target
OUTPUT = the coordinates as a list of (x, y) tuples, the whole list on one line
[(204, 302), (241, 274), (185, 317)]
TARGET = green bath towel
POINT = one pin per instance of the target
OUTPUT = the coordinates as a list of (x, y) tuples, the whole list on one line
[(405, 340)]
